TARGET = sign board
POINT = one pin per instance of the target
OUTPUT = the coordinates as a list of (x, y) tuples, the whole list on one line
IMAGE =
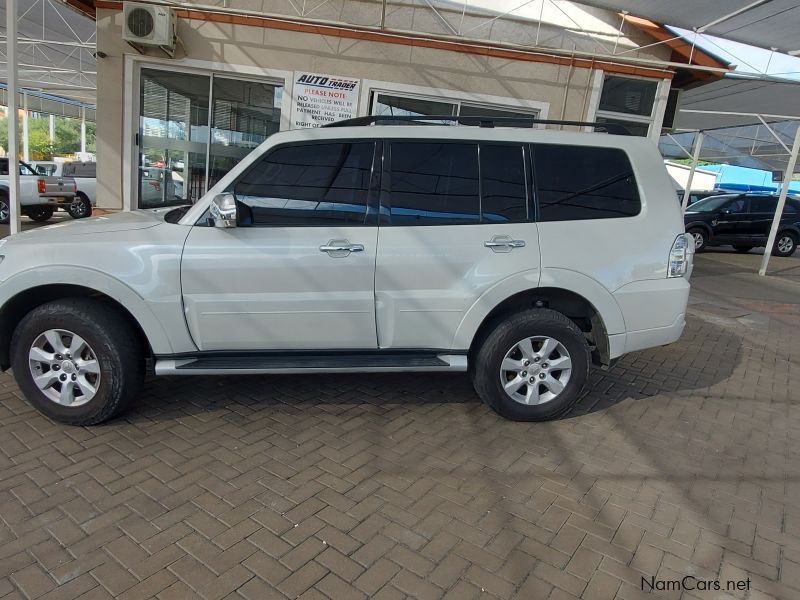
[(322, 99), (777, 177)]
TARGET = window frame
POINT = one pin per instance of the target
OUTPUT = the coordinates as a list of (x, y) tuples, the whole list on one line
[(385, 205), (648, 120), (373, 188)]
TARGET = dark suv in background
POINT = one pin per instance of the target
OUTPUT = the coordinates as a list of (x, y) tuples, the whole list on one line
[(743, 221)]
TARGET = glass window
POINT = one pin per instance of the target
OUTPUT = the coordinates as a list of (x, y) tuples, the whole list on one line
[(173, 125), (175, 142), (4, 166), (629, 96), (476, 110), (584, 182), (308, 185), (400, 106), (763, 204), (503, 185), (434, 183), (244, 114), (738, 205), (633, 127)]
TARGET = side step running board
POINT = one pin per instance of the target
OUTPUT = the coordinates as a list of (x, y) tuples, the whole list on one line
[(327, 363)]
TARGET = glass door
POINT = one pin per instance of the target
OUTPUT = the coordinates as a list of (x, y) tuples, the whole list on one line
[(173, 137), (194, 128), (244, 114)]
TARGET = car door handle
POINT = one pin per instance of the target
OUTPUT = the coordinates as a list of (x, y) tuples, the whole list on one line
[(341, 248), (504, 242)]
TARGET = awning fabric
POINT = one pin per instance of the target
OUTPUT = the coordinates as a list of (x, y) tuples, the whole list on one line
[(767, 24)]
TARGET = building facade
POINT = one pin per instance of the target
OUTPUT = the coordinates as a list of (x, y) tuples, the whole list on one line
[(168, 127)]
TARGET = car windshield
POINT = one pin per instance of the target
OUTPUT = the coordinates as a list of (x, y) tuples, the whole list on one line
[(710, 204)]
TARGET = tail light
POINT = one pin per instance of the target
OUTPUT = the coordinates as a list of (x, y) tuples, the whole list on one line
[(42, 186), (681, 256)]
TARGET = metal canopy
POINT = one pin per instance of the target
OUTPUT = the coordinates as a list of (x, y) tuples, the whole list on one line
[(711, 105), (763, 23), (56, 48)]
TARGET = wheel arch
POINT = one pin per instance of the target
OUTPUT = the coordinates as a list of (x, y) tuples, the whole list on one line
[(700, 225), (586, 302), (22, 300)]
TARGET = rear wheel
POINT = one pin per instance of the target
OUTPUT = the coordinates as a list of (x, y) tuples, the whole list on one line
[(785, 244), (77, 360), (743, 249), (532, 366), (700, 239), (40, 213), (80, 207)]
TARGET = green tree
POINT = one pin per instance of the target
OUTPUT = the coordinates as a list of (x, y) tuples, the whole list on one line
[(67, 134)]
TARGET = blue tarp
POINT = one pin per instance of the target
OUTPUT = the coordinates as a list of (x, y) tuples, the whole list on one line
[(743, 179)]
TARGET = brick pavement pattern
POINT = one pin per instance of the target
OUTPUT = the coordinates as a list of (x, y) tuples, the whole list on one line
[(680, 460)]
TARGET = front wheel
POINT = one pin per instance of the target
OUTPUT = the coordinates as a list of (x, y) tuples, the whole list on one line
[(40, 213), (80, 207), (77, 360), (5, 210), (533, 366), (785, 244), (700, 239)]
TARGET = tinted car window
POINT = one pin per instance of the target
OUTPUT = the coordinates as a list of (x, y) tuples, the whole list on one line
[(582, 182), (763, 204), (711, 204), (503, 197), (739, 205), (308, 185), (433, 184)]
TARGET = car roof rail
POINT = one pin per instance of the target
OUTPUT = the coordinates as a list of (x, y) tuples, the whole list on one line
[(485, 121)]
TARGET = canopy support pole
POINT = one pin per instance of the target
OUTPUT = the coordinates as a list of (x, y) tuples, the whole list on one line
[(26, 155), (13, 116), (698, 145), (51, 133), (83, 131), (776, 220)]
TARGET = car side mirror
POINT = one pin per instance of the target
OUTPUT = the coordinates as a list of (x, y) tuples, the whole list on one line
[(223, 210)]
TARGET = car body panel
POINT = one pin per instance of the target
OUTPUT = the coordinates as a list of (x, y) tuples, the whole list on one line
[(134, 258), (266, 288)]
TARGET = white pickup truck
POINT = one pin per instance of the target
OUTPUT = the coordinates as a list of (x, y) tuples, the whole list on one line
[(85, 175), (39, 195)]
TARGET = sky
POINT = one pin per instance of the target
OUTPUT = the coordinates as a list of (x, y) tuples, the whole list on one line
[(748, 59)]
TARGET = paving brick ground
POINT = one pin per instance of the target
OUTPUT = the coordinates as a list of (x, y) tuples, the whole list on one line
[(680, 460)]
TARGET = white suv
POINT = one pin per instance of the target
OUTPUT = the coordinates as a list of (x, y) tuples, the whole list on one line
[(522, 256)]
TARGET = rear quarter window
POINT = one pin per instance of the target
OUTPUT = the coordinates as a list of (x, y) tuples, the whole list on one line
[(575, 183)]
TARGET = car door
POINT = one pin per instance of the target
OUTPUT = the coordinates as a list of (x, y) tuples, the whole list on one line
[(759, 219), (732, 220), (297, 273), (455, 221)]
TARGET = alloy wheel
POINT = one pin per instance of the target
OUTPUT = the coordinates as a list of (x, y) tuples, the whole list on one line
[(535, 370), (785, 244), (64, 367)]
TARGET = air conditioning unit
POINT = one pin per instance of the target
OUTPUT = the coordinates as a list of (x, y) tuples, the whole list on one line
[(150, 25)]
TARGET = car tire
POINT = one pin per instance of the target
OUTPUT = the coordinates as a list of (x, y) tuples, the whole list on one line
[(80, 207), (700, 238), (5, 210), (106, 372), (519, 351), (743, 249), (40, 213), (785, 244)]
